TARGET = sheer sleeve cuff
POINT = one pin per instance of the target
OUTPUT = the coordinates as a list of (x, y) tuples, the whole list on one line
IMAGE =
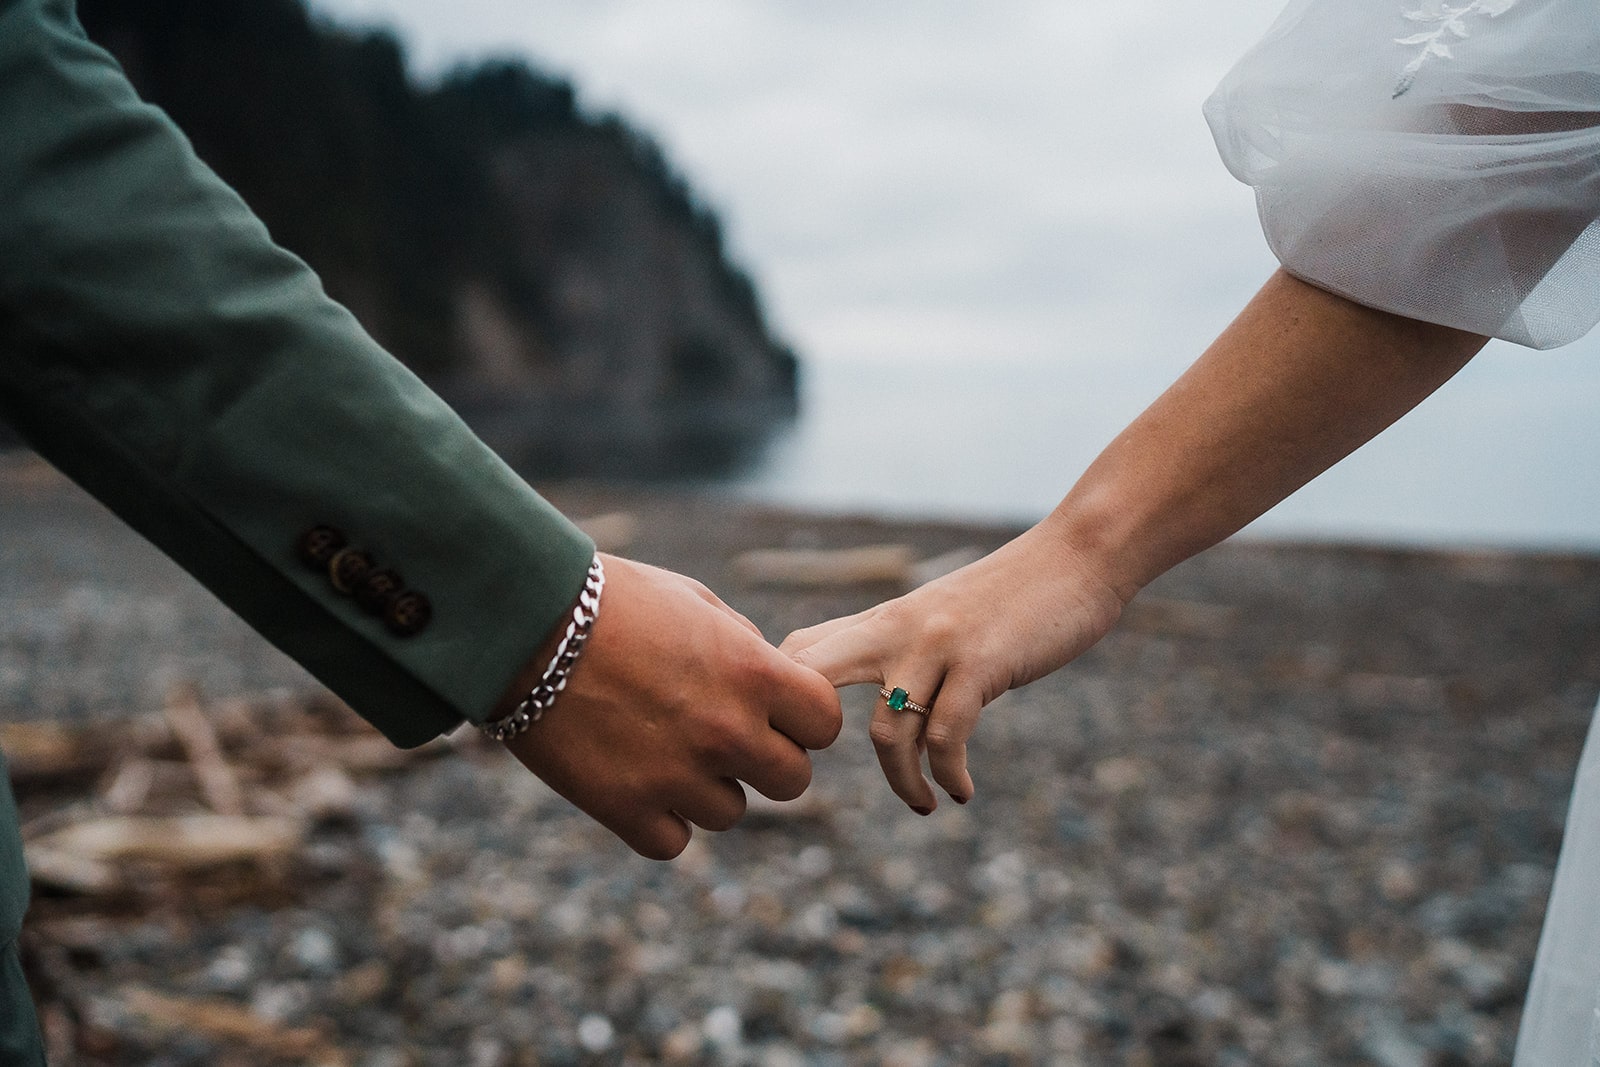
[(1438, 161)]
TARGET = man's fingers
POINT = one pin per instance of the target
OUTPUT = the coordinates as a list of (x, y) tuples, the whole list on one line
[(849, 655), (657, 836), (712, 805), (800, 704), (676, 698), (895, 736), (778, 768), (950, 724)]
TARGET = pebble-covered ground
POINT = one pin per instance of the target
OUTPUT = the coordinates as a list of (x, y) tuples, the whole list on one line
[(1301, 808)]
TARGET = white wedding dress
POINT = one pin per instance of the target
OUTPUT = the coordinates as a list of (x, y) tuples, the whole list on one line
[(1442, 161)]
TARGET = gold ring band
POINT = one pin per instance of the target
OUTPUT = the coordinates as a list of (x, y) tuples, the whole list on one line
[(899, 700)]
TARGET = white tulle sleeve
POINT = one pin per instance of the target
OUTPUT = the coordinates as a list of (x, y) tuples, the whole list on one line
[(1438, 160)]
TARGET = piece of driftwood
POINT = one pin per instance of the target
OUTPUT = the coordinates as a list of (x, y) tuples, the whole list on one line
[(228, 1022), (129, 785), (821, 567), (809, 805), (137, 785), (58, 869), (129, 805), (43, 752), (355, 755), (181, 842), (218, 783)]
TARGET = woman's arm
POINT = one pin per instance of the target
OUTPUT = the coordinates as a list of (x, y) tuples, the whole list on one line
[(1298, 381)]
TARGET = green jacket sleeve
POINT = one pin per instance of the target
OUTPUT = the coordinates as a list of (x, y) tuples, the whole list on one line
[(158, 348)]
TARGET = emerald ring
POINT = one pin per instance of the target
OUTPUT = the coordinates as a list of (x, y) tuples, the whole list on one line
[(899, 700)]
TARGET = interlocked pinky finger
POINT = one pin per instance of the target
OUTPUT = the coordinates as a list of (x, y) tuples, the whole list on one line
[(812, 634), (848, 654)]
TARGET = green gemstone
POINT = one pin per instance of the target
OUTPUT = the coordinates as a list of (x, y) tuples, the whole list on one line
[(898, 698)]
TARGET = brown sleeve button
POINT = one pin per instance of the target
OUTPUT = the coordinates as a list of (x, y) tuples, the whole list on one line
[(348, 567), (377, 589), (408, 613), (318, 545)]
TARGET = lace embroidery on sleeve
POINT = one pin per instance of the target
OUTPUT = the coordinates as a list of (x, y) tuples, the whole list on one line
[(1450, 23)]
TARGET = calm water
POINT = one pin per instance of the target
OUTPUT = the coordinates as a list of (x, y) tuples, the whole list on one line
[(1504, 455), (922, 182)]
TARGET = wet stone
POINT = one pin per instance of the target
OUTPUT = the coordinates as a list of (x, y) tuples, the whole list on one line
[(1207, 848)]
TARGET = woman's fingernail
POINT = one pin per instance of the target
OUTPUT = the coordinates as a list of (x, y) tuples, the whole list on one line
[(921, 810), (958, 798)]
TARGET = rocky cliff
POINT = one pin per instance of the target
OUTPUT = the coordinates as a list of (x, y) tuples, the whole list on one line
[(546, 269)]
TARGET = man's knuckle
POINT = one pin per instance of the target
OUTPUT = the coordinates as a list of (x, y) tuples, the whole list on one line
[(739, 663), (723, 737)]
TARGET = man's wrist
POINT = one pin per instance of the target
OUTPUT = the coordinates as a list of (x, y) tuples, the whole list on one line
[(534, 694)]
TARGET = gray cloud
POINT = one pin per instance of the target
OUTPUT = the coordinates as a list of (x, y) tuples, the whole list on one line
[(1014, 188), (884, 167)]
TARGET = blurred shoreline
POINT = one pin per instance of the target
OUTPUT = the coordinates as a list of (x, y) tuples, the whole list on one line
[(1486, 462), (1301, 806), (94, 621)]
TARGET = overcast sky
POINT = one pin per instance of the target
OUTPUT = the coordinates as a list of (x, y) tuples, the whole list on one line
[(919, 178), (1004, 188)]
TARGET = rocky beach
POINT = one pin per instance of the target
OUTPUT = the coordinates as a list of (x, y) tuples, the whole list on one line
[(1301, 807)]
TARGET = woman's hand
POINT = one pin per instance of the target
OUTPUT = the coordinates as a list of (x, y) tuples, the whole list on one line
[(1299, 380), (957, 643)]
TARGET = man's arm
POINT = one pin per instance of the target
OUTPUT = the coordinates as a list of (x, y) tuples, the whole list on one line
[(163, 352), (158, 348)]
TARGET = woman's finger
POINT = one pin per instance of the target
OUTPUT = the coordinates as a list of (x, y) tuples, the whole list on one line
[(848, 655), (812, 634), (896, 737), (949, 727)]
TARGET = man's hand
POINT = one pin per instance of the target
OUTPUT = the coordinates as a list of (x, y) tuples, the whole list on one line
[(675, 700)]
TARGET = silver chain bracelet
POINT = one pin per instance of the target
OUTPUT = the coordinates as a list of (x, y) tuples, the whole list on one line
[(554, 679)]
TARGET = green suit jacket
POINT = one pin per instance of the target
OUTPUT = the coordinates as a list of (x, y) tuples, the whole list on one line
[(158, 348)]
